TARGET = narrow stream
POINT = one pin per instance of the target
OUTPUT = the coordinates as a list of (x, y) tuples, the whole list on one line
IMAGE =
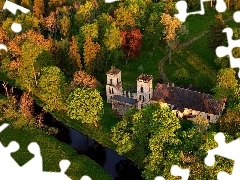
[(119, 167)]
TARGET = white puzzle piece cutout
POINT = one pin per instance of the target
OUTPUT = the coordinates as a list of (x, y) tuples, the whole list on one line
[(33, 169), (181, 6), (226, 150), (177, 171), (16, 27)]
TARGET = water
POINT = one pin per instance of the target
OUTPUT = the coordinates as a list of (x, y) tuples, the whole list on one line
[(118, 166)]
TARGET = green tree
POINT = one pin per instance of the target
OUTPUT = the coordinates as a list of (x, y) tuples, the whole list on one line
[(85, 105), (201, 123), (74, 55), (203, 82), (230, 122), (27, 4), (181, 76), (151, 132), (171, 33), (27, 74), (226, 82), (51, 88), (65, 24)]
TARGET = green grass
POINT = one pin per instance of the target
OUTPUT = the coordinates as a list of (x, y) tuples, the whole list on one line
[(52, 151)]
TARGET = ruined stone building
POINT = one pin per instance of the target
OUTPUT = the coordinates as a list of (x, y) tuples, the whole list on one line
[(183, 102), (122, 100)]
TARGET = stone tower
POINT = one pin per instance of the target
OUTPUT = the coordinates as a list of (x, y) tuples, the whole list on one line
[(114, 83), (144, 88)]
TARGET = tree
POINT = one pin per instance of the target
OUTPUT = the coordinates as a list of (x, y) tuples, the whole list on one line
[(124, 18), (74, 55), (203, 82), (90, 52), (230, 122), (181, 76), (38, 8), (26, 105), (27, 4), (131, 43), (226, 82), (216, 36), (51, 88), (65, 25), (84, 12), (51, 23), (171, 24), (27, 75), (85, 105), (151, 132), (90, 30), (55, 3), (112, 38), (201, 123), (83, 79), (236, 35)]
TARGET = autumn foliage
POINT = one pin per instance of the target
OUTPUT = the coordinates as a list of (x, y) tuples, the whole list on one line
[(26, 105), (90, 52), (83, 79), (131, 43)]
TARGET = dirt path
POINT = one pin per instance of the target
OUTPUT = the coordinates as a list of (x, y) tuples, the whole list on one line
[(181, 46)]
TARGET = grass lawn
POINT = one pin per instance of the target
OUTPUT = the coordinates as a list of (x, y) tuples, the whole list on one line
[(52, 151)]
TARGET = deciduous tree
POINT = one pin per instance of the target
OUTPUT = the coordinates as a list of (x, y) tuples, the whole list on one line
[(83, 79), (151, 132), (171, 25), (131, 43), (90, 52), (226, 82), (74, 55), (85, 105), (51, 87), (38, 8)]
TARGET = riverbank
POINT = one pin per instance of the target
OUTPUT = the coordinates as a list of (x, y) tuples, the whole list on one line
[(102, 134), (24, 133)]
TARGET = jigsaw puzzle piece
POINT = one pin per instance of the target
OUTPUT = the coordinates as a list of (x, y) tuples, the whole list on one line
[(226, 150), (222, 51), (87, 178), (221, 6), (35, 165), (159, 178), (236, 16), (12, 7), (181, 6), (7, 163), (4, 125), (177, 171)]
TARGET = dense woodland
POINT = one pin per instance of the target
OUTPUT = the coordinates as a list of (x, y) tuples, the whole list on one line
[(65, 48)]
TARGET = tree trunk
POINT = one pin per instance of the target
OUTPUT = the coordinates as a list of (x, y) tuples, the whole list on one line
[(95, 124), (170, 56)]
